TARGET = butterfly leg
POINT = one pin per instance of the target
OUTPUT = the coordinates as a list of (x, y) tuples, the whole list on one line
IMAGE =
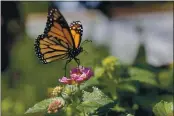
[(68, 61), (77, 61)]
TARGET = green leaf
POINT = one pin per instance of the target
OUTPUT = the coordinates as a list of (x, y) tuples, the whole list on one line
[(19, 107), (7, 104), (163, 109), (142, 76), (42, 106), (166, 80), (127, 87), (91, 82), (149, 100), (118, 108), (96, 96), (109, 86), (88, 107), (129, 115), (99, 71), (106, 108), (92, 101)]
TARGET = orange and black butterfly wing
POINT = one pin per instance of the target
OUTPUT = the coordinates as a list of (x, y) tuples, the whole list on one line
[(77, 32), (57, 26), (49, 48)]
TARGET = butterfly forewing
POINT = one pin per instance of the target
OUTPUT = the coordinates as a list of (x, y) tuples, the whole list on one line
[(58, 27)]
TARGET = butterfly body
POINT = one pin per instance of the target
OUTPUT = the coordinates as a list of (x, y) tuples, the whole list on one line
[(59, 40), (74, 52)]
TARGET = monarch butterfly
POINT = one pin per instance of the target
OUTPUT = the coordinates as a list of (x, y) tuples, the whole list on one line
[(59, 41)]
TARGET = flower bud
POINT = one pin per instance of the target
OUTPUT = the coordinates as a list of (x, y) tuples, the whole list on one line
[(56, 91), (54, 106)]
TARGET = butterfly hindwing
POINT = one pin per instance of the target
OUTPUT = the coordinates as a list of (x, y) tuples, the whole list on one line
[(49, 48)]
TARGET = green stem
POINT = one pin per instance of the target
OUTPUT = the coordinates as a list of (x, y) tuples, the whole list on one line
[(84, 113), (71, 100), (116, 81), (110, 75), (78, 86)]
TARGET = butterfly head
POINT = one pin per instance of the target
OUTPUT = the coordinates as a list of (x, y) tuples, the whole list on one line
[(79, 50), (75, 52)]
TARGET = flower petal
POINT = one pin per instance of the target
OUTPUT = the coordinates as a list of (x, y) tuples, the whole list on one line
[(65, 80)]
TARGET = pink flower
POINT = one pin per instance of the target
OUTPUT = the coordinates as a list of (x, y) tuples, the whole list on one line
[(77, 75), (81, 73)]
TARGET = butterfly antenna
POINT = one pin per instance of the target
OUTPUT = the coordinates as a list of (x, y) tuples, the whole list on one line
[(86, 41), (85, 51)]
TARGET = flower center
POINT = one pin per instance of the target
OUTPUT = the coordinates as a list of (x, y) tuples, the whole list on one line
[(79, 72)]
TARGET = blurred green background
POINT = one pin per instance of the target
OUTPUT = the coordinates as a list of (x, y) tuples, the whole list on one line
[(26, 81)]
